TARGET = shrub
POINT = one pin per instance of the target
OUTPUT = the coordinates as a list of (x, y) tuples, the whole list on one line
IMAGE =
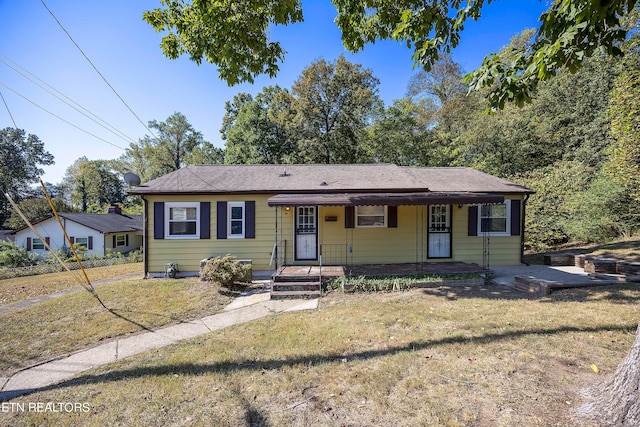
[(136, 256), (372, 284), (225, 270), (12, 255), (390, 283), (604, 212)]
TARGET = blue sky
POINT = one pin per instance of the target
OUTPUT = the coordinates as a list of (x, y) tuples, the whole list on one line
[(126, 51)]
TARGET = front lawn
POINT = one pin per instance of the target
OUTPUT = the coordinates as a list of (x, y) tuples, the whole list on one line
[(21, 288), (75, 321), (438, 356)]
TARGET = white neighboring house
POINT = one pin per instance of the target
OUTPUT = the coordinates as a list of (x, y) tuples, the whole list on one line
[(101, 234)]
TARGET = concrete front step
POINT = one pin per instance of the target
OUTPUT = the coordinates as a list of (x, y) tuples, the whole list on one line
[(295, 286), (300, 289), (301, 278), (295, 294)]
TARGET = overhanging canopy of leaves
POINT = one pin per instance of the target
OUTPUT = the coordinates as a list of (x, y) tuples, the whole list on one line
[(234, 35)]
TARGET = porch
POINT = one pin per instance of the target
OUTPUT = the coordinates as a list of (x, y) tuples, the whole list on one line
[(316, 272), (296, 281)]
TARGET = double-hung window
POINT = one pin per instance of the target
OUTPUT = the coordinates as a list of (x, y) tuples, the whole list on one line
[(236, 220), (371, 216), (121, 240), (37, 244), (182, 220), (81, 241), (495, 219)]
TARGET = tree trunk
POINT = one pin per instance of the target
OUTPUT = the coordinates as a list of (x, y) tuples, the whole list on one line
[(616, 402)]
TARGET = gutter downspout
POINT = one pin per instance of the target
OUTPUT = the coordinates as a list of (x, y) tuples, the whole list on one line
[(524, 216), (145, 239)]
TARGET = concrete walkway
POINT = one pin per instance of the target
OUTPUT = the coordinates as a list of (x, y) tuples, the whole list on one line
[(243, 309), (568, 275)]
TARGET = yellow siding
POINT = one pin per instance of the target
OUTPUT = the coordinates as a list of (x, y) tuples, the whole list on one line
[(187, 253), (406, 243), (387, 245), (503, 250)]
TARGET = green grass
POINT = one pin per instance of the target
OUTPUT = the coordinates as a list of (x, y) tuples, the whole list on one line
[(75, 321), (21, 288), (439, 356)]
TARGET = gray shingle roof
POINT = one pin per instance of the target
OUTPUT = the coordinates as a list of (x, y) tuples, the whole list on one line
[(309, 178), (463, 180), (104, 223)]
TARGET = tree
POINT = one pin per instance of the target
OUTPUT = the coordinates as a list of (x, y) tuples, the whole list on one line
[(169, 150), (624, 154), (20, 161), (35, 209), (616, 402), (92, 182), (446, 107), (333, 103), (231, 34), (234, 35), (254, 130), (624, 164), (569, 113), (442, 83), (206, 154), (571, 31), (398, 136)]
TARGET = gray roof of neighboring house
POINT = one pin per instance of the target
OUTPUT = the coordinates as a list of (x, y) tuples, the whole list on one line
[(104, 223), (6, 235), (311, 178)]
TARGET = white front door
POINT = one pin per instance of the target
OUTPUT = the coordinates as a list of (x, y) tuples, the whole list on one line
[(306, 233), (439, 231)]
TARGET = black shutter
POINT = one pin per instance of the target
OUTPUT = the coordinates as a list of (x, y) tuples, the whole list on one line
[(72, 239), (114, 241), (90, 239), (221, 220), (205, 220), (473, 221), (250, 219), (392, 217), (29, 244), (515, 217), (158, 220), (349, 217), (48, 242), (126, 240)]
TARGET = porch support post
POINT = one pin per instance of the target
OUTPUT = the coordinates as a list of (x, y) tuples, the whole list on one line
[(275, 255)]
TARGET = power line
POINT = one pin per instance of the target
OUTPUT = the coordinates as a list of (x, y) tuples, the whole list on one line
[(8, 111), (99, 121), (60, 118), (96, 68)]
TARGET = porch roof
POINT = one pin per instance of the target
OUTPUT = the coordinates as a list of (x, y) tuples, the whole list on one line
[(388, 199)]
